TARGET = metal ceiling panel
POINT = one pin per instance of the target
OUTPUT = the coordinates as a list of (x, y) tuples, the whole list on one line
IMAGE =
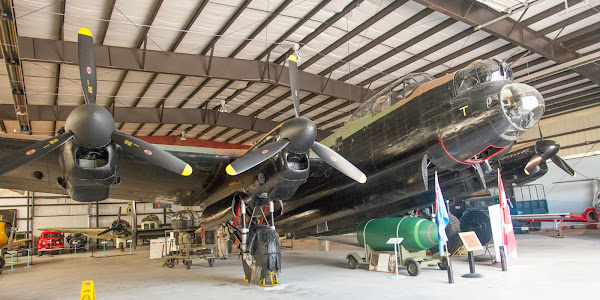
[(42, 127), (107, 83), (213, 17), (37, 18), (170, 19), (88, 14), (39, 84), (129, 128), (5, 88), (127, 22), (158, 89), (69, 89), (134, 83)]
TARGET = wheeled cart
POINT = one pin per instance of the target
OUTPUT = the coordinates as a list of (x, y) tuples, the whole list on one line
[(411, 260), (184, 249)]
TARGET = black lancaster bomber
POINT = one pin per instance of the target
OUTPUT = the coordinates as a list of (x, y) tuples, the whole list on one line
[(378, 164)]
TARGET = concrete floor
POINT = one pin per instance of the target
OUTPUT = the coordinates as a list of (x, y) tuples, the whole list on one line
[(550, 268)]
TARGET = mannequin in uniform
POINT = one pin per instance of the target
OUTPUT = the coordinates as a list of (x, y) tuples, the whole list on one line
[(222, 239)]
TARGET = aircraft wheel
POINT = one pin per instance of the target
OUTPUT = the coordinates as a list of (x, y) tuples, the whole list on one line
[(40, 253), (413, 267), (211, 262), (188, 264), (352, 263), (170, 263), (444, 264), (2, 263)]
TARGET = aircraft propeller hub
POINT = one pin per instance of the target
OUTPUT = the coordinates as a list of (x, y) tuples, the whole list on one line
[(547, 148), (301, 132), (91, 124)]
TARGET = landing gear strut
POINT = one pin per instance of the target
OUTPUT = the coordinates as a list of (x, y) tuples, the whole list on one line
[(261, 252)]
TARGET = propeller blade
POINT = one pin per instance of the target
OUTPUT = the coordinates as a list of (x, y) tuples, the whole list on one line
[(127, 232), (31, 153), (105, 231), (253, 158), (134, 224), (151, 153), (119, 215), (563, 165), (533, 162), (10, 239), (87, 64), (294, 84), (339, 162)]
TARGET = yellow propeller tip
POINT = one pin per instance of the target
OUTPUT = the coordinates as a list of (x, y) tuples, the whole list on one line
[(230, 170), (187, 171), (292, 58), (363, 178), (574, 174), (84, 31), (526, 173)]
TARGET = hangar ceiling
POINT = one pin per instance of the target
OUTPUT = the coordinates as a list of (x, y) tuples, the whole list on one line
[(168, 66)]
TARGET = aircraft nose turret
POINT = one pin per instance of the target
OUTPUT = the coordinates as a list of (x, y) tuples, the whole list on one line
[(522, 105)]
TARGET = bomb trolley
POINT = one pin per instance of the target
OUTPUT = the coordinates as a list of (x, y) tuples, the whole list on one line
[(187, 246), (419, 235)]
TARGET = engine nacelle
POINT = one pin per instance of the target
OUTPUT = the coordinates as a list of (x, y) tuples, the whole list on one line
[(88, 172)]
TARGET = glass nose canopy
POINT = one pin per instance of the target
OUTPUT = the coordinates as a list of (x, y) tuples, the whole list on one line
[(522, 105)]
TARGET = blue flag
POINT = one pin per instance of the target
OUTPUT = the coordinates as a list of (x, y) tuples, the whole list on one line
[(441, 215)]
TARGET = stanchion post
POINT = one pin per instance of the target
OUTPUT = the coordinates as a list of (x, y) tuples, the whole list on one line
[(28, 257), (503, 258)]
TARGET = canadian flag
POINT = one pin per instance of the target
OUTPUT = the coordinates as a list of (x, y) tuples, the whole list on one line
[(508, 233)]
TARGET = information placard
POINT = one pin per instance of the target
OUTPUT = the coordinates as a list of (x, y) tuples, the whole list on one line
[(470, 241)]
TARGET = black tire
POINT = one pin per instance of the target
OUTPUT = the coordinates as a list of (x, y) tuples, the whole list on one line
[(352, 262), (444, 264), (2, 263), (169, 263), (188, 264), (211, 262), (40, 253), (413, 268), (479, 222), (452, 230)]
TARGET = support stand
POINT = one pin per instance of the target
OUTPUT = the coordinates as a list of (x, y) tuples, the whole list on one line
[(28, 257), (12, 261), (396, 242), (472, 273), (104, 248), (130, 246), (75, 243)]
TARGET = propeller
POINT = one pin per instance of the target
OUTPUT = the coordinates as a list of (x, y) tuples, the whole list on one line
[(116, 226), (92, 126), (297, 135), (547, 149)]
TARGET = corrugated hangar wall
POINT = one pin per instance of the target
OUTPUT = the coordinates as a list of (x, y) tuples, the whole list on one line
[(569, 130), (49, 210)]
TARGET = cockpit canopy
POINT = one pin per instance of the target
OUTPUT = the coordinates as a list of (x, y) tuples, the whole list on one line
[(398, 90), (479, 73)]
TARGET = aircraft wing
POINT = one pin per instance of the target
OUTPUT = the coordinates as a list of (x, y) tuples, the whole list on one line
[(140, 179), (17, 243), (153, 233), (90, 232), (567, 217)]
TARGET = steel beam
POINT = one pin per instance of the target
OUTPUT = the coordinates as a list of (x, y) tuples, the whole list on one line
[(474, 13), (152, 115), (130, 59)]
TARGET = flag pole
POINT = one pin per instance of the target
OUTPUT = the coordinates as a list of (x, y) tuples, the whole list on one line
[(449, 269)]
